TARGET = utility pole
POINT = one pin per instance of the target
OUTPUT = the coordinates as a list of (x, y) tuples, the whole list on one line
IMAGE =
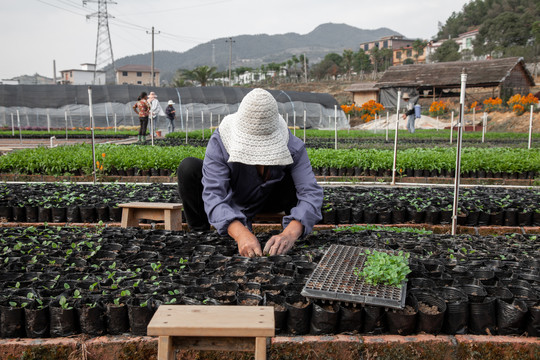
[(305, 69), (152, 72), (104, 52), (54, 71), (230, 41), (213, 54)]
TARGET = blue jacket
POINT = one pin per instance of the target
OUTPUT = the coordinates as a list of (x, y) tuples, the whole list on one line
[(234, 191)]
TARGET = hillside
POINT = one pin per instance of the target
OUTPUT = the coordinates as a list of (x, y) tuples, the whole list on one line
[(254, 50)]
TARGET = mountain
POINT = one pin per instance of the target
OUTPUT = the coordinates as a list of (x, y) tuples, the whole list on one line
[(255, 50)]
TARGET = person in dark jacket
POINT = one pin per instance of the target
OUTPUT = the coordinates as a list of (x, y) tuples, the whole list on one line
[(253, 164), (170, 112), (142, 108)]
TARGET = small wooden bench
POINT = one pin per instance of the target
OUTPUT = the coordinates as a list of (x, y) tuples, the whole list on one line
[(218, 328), (171, 213)]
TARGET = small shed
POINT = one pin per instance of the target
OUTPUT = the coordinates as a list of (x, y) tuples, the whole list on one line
[(505, 77), (363, 92)]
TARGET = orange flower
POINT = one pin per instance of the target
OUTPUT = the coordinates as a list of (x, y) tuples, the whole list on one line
[(97, 163), (103, 155)]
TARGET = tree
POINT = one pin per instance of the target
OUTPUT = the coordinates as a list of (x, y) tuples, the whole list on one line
[(361, 61), (503, 32), (200, 74), (179, 80), (382, 59), (348, 57), (418, 46), (448, 51)]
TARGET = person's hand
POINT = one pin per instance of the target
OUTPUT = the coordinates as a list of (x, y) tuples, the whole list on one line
[(280, 244), (248, 245), (403, 116)]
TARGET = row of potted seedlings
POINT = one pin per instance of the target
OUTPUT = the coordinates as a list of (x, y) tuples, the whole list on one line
[(60, 281), (65, 202)]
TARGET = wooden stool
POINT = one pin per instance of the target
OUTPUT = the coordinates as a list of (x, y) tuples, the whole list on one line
[(204, 327), (269, 217), (170, 213)]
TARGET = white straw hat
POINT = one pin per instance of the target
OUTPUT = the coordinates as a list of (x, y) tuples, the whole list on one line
[(256, 134), (170, 102)]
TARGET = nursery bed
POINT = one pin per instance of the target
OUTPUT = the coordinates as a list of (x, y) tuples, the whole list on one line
[(479, 206), (113, 279)]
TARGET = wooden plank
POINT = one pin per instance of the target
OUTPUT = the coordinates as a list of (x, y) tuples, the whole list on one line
[(201, 320), (215, 343), (165, 348), (260, 348), (149, 214), (148, 205)]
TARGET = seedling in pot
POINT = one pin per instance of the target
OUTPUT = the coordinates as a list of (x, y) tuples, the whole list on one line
[(64, 304), (14, 304), (31, 296), (77, 294)]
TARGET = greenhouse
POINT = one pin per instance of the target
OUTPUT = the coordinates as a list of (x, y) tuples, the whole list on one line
[(47, 106)]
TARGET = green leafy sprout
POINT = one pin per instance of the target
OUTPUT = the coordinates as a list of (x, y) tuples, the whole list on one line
[(383, 268)]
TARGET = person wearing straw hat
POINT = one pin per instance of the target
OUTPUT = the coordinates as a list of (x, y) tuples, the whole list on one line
[(170, 112), (252, 165), (409, 113), (155, 109)]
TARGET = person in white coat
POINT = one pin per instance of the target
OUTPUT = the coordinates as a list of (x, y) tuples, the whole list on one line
[(155, 110)]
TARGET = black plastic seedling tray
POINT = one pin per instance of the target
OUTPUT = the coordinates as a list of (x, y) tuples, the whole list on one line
[(334, 280)]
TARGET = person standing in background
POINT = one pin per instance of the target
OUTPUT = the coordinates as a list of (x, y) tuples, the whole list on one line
[(171, 115), (155, 109), (409, 113), (142, 108)]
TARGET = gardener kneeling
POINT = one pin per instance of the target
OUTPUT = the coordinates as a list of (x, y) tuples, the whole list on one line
[(253, 164)]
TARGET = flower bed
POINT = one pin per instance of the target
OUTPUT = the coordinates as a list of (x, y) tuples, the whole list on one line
[(63, 281), (61, 202)]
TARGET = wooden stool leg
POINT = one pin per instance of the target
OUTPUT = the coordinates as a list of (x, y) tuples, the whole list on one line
[(260, 348), (173, 219), (165, 348), (129, 217)]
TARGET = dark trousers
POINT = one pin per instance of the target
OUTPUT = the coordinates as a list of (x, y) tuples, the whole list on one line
[(282, 198), (144, 125)]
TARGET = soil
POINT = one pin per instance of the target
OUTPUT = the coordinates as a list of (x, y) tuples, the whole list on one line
[(300, 304), (224, 293), (428, 309), (250, 302), (277, 307), (273, 292), (253, 291), (407, 310)]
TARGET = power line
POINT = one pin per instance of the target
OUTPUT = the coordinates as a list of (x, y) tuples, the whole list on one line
[(179, 8)]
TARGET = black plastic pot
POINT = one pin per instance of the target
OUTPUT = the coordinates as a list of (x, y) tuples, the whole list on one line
[(44, 214), (31, 213), (403, 322), (139, 316), (92, 319), (117, 319), (324, 319), (11, 322), (58, 214), (350, 319), (115, 213), (299, 314), (476, 293), (88, 214), (280, 311), (511, 317), (36, 322), (247, 299), (427, 322), (457, 310), (63, 322), (482, 317), (19, 214), (73, 214), (533, 323), (6, 212), (510, 217), (374, 320)]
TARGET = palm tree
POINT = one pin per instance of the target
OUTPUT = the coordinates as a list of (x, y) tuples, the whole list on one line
[(201, 74)]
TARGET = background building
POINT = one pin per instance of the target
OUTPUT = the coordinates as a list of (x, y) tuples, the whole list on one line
[(83, 76), (136, 75)]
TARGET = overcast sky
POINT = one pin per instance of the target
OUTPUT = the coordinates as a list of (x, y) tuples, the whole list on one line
[(37, 31)]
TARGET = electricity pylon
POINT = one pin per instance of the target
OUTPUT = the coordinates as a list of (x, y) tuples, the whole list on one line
[(104, 52)]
